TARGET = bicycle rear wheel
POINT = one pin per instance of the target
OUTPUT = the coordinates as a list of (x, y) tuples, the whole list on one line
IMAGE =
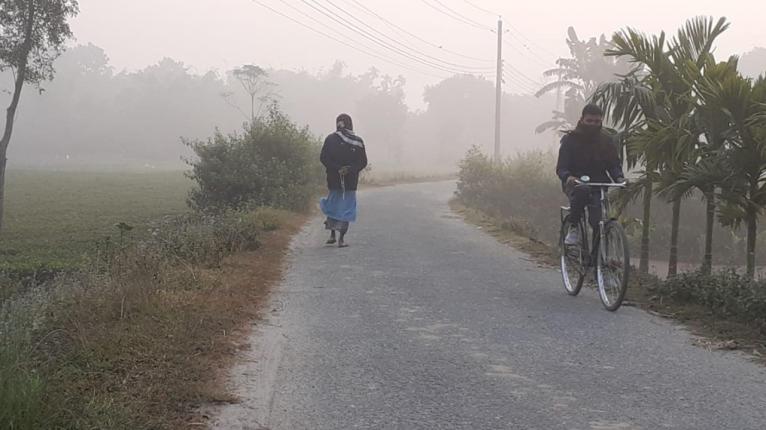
[(613, 267), (572, 258)]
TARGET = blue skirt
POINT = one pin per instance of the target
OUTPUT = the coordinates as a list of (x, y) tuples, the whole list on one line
[(339, 206)]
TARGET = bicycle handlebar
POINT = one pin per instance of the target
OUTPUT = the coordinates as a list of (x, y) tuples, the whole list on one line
[(603, 184)]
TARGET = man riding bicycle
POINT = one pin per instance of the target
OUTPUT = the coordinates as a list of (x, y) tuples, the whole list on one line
[(587, 151)]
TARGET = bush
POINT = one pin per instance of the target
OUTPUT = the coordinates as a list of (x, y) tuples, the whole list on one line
[(274, 163), (727, 294), (523, 191)]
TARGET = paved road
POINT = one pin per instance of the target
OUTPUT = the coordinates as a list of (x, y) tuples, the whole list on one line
[(428, 323)]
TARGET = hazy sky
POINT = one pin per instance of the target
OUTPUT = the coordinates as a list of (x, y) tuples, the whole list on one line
[(222, 34)]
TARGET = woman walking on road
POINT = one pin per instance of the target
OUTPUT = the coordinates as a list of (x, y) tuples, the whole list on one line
[(343, 156)]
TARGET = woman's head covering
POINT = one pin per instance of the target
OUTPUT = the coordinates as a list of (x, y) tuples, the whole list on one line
[(344, 122), (345, 131)]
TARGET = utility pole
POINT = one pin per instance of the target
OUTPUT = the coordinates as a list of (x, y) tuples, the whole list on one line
[(558, 108), (498, 87)]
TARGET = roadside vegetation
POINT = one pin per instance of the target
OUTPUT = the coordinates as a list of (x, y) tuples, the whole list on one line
[(692, 131), (119, 304)]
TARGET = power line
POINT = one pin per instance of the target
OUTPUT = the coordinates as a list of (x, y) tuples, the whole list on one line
[(513, 29), (456, 13), (405, 46), (352, 27), (456, 17), (393, 25), (372, 54), (520, 76), (475, 6), (527, 51), (519, 83), (523, 78), (539, 46)]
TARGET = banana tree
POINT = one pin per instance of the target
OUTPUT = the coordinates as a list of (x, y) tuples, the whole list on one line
[(578, 77)]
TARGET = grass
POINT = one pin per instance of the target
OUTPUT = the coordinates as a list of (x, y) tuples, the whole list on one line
[(53, 218), (140, 342), (714, 331), (136, 335)]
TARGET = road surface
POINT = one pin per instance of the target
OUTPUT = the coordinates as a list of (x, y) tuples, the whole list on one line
[(429, 323)]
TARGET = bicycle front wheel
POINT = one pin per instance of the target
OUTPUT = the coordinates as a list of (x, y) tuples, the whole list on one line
[(572, 271), (613, 266)]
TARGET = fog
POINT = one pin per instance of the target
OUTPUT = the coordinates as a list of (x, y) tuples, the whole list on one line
[(142, 74)]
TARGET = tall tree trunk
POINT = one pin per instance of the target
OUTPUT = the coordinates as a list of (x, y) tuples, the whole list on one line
[(752, 231), (252, 109), (673, 260), (707, 261), (10, 115), (643, 267), (6, 139), (752, 235), (3, 163)]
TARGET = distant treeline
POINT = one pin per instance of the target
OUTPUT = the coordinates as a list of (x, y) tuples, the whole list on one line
[(92, 115)]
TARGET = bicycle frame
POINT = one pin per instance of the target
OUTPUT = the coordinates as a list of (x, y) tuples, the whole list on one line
[(578, 260), (597, 239)]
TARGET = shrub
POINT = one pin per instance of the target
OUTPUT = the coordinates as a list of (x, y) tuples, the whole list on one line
[(523, 191), (274, 163), (725, 293)]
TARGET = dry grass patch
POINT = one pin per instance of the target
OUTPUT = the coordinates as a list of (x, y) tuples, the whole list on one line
[(143, 344)]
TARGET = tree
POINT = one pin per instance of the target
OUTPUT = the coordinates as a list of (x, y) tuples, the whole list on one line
[(383, 116), (579, 77), (32, 35), (711, 124), (657, 99), (741, 165), (253, 80), (460, 114)]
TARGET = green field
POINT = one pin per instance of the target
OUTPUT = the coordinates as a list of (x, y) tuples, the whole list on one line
[(54, 218)]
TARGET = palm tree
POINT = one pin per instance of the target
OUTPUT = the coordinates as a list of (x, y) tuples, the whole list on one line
[(629, 103), (711, 123), (655, 103), (740, 165)]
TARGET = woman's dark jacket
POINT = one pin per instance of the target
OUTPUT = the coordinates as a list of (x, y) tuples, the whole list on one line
[(336, 154)]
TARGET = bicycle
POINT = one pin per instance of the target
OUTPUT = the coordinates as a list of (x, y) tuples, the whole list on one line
[(611, 262)]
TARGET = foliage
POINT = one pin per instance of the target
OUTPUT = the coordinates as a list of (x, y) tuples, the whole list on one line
[(272, 164), (657, 105), (49, 31), (727, 294), (578, 77), (73, 349), (253, 81), (497, 189), (522, 191)]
